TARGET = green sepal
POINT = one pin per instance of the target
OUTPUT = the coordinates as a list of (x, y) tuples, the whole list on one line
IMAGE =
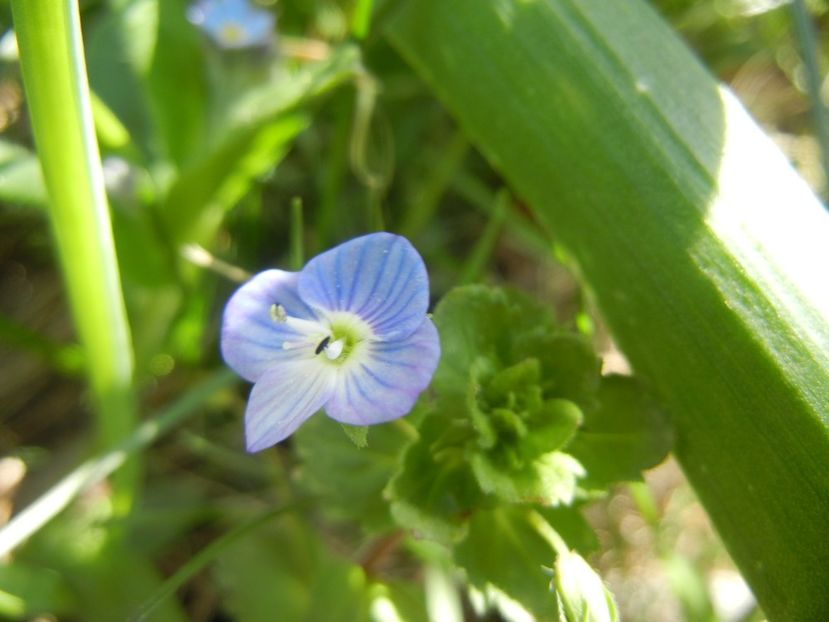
[(357, 434)]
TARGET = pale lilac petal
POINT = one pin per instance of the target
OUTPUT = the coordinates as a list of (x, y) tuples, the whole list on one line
[(379, 277), (283, 398), (251, 340), (387, 383)]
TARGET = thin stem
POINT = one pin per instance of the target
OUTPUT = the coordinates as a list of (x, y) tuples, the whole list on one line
[(805, 34), (200, 560), (57, 91), (297, 235), (89, 473), (361, 18), (482, 251)]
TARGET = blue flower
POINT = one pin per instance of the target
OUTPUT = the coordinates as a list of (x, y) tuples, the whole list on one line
[(233, 24), (348, 333)]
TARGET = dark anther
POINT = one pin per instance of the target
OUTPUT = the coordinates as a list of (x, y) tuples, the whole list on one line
[(322, 345)]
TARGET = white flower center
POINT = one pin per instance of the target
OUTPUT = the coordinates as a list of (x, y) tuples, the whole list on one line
[(340, 335)]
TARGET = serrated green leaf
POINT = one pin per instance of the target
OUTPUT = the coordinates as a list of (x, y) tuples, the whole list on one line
[(434, 489), (506, 328), (569, 365), (625, 435), (476, 321), (553, 424), (551, 479), (505, 548), (348, 480)]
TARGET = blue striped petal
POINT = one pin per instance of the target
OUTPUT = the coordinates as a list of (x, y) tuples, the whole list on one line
[(379, 277), (387, 382), (251, 340), (283, 399)]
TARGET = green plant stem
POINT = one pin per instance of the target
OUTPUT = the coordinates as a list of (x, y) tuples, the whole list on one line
[(434, 186), (92, 471), (200, 560), (475, 263), (361, 18), (805, 33), (57, 91), (297, 235)]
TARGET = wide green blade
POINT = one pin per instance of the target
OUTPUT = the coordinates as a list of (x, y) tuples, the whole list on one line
[(705, 251)]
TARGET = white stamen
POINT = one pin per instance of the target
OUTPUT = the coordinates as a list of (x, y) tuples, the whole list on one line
[(334, 349), (293, 345)]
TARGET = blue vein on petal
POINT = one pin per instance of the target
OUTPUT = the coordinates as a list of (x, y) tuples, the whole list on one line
[(357, 270), (298, 406), (397, 283), (395, 363), (323, 285), (379, 277), (386, 308), (377, 379), (362, 392)]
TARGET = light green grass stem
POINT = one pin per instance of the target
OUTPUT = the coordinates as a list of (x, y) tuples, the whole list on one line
[(57, 92)]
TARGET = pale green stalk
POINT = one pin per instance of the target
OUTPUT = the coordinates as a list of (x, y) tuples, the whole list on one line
[(297, 235), (57, 93)]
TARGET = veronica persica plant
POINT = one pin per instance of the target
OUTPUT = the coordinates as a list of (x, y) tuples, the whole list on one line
[(348, 333)]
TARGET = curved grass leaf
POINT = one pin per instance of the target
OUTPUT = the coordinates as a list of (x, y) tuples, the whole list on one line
[(702, 246)]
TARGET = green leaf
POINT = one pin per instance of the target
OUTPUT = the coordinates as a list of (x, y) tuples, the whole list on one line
[(78, 547), (551, 479), (507, 327), (582, 595), (434, 489), (284, 570), (177, 83), (28, 590), (21, 181), (505, 548), (573, 528), (254, 139), (349, 480), (476, 321), (120, 47), (627, 434), (694, 234)]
